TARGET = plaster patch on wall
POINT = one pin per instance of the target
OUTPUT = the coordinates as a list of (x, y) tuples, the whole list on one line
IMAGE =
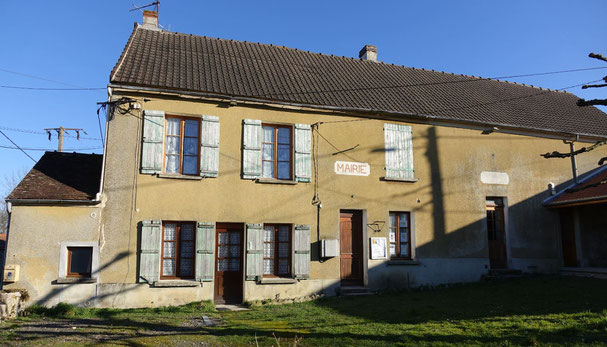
[(491, 177)]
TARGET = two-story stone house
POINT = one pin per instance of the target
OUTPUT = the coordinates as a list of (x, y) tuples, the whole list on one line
[(237, 171)]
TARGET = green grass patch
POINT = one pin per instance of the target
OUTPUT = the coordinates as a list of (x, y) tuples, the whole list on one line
[(551, 310), (63, 310)]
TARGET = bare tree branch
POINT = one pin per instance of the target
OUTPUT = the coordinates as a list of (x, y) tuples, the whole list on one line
[(597, 56), (556, 154), (584, 102), (594, 86)]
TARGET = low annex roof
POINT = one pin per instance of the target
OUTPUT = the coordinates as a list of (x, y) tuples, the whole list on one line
[(234, 69), (591, 190), (61, 176)]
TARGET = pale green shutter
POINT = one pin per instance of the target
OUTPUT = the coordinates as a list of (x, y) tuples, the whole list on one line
[(251, 149), (149, 253), (303, 162), (209, 147), (205, 251), (153, 140), (399, 151), (254, 258), (301, 251)]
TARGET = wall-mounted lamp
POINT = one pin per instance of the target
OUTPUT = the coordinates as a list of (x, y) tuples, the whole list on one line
[(489, 131)]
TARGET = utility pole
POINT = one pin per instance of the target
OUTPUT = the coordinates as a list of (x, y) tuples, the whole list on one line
[(60, 133)]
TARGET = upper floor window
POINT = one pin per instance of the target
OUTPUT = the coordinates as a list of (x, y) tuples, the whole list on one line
[(400, 235), (182, 145), (276, 151), (399, 152)]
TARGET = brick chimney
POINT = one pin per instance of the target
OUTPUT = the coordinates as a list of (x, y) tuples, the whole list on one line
[(150, 20), (369, 52)]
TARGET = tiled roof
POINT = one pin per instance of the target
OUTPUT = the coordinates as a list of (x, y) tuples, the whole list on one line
[(180, 62), (61, 176), (592, 190)]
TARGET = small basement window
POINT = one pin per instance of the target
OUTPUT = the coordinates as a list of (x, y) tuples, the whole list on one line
[(79, 262)]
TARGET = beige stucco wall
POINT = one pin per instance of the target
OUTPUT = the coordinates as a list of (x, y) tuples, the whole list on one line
[(34, 244), (447, 203)]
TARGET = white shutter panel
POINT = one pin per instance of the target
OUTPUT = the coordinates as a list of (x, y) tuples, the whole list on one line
[(205, 251), (209, 147), (399, 151), (254, 258), (303, 144), (149, 253), (301, 251), (153, 141), (251, 149)]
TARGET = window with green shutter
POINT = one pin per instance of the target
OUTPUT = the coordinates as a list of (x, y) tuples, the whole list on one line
[(399, 152), (153, 140), (149, 253), (301, 251)]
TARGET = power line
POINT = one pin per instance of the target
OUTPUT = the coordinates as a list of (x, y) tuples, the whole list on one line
[(51, 149), (27, 131), (60, 89), (13, 142), (40, 78), (464, 79)]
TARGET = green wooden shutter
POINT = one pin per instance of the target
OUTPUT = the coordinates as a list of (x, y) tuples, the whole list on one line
[(205, 251), (399, 151), (209, 147), (301, 251), (251, 149), (153, 140), (254, 266), (149, 253), (303, 144)]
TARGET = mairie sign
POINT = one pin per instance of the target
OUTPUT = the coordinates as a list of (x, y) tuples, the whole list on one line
[(352, 168)]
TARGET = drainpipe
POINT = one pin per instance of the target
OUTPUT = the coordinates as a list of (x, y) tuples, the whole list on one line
[(573, 161)]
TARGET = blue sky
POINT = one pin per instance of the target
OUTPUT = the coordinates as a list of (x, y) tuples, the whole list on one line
[(78, 42)]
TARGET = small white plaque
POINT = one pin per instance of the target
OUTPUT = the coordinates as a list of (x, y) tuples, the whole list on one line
[(351, 168), (491, 177), (378, 248)]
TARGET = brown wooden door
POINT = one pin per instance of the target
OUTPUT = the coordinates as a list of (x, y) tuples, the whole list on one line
[(351, 244), (228, 263), (496, 233), (568, 237)]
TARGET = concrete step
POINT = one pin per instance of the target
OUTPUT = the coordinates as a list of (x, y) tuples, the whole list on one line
[(355, 291), (600, 273), (505, 272)]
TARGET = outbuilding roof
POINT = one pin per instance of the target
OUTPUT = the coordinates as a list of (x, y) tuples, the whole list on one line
[(591, 190), (61, 176), (234, 69)]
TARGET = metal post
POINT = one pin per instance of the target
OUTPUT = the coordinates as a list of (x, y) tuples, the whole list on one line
[(573, 162)]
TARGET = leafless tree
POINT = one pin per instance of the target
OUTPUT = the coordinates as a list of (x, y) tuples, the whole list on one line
[(7, 184)]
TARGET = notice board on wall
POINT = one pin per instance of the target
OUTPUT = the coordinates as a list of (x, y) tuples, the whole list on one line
[(378, 248)]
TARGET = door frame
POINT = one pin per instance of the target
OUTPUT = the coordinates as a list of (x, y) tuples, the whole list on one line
[(365, 241), (242, 227), (508, 260)]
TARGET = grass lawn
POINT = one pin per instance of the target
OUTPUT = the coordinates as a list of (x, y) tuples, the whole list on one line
[(526, 311)]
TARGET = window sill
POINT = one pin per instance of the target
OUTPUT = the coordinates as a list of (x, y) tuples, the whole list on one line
[(176, 283), (276, 281), (403, 262), (180, 177), (275, 181), (73, 280), (393, 179)]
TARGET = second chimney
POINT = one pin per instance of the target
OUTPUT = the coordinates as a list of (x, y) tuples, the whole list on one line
[(369, 52), (150, 20)]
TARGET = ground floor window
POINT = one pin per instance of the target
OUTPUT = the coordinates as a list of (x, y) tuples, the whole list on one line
[(400, 235), (277, 250), (178, 241), (79, 261)]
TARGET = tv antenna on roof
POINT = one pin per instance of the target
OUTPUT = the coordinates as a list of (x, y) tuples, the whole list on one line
[(155, 3)]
